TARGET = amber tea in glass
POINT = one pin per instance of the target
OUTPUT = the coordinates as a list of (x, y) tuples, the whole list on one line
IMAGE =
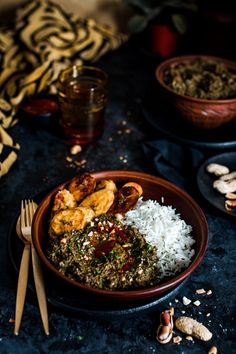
[(82, 92)]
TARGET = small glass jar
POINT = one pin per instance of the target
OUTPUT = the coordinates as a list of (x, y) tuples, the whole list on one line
[(82, 93)]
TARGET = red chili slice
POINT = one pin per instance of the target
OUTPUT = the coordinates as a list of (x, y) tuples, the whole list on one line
[(126, 266), (120, 232), (104, 248)]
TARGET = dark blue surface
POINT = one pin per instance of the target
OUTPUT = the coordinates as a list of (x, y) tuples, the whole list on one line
[(42, 164)]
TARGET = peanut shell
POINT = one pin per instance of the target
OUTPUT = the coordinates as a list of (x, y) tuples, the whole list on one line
[(192, 327)]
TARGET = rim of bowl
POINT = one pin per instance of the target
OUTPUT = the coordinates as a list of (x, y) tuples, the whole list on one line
[(137, 293), (185, 58)]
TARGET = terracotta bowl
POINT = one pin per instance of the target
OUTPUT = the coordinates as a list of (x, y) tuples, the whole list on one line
[(154, 188), (202, 113)]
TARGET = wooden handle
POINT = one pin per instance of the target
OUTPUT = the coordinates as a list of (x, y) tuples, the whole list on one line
[(21, 287), (40, 289)]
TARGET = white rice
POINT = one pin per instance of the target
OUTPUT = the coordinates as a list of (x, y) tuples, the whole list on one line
[(163, 227)]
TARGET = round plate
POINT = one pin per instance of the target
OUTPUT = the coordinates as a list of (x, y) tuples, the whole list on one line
[(153, 188), (77, 303), (205, 180), (166, 121)]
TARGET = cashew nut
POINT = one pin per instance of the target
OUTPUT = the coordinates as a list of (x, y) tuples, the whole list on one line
[(231, 196), (217, 169), (225, 186), (229, 176)]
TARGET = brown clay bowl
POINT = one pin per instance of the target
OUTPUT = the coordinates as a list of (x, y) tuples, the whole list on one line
[(202, 113), (154, 188)]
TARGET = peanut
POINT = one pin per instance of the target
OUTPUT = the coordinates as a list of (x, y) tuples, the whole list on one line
[(190, 326), (165, 329), (75, 149), (186, 301), (197, 303), (200, 291), (177, 339), (212, 350), (189, 338)]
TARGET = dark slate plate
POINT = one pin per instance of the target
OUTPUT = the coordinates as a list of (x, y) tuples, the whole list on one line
[(73, 302), (167, 122), (205, 180)]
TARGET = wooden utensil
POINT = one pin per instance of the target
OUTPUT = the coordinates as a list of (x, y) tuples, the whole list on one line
[(23, 229)]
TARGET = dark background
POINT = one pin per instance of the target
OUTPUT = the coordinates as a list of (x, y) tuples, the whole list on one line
[(43, 164)]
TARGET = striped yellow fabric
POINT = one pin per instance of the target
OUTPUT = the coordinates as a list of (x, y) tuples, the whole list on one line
[(44, 41)]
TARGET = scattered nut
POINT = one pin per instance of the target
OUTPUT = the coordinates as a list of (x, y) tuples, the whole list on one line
[(186, 301), (228, 176), (75, 149), (217, 169), (192, 327), (230, 204), (165, 329), (225, 186), (189, 338), (197, 303), (172, 311), (80, 163), (212, 350), (200, 291), (231, 196), (209, 292), (164, 335), (177, 339)]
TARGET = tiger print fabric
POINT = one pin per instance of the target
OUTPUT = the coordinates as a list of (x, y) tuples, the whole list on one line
[(45, 40)]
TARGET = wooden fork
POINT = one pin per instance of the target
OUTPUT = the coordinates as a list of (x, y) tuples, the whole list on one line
[(28, 209)]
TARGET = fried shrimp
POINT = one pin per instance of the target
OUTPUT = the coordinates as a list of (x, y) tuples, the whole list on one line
[(82, 186), (100, 201), (63, 200), (70, 219)]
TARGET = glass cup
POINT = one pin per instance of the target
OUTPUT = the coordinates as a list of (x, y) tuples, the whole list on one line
[(82, 92)]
